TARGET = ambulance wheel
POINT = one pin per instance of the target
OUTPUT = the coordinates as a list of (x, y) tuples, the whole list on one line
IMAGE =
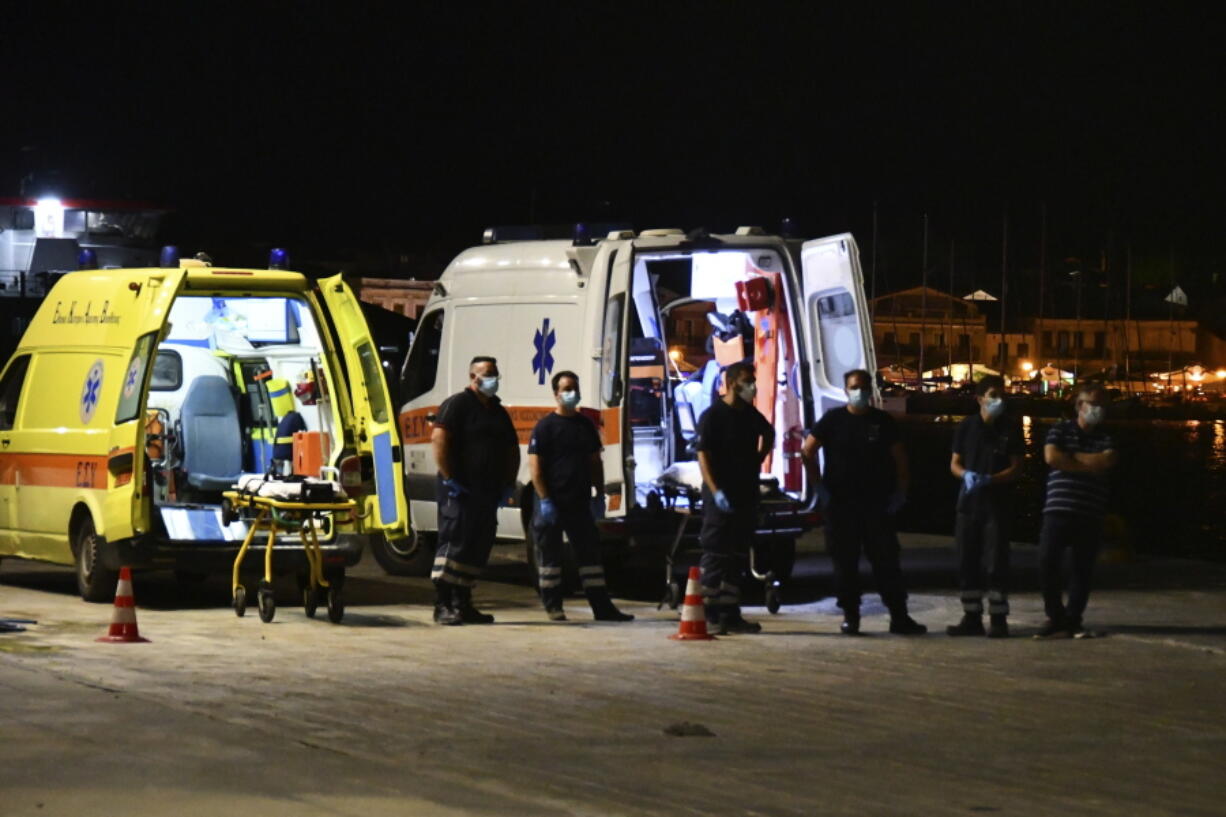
[(267, 603), (94, 581), (774, 600), (336, 604), (240, 601), (412, 556)]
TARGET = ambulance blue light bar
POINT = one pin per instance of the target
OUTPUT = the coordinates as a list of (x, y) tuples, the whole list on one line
[(87, 259), (278, 258), (169, 257)]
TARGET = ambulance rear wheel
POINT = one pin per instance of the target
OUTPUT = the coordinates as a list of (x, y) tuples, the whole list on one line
[(94, 581), (412, 556)]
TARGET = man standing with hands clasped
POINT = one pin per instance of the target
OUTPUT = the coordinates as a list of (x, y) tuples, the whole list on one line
[(733, 438), (564, 460), (477, 452), (987, 458), (864, 486)]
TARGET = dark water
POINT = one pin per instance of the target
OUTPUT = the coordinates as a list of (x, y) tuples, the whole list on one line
[(1168, 495)]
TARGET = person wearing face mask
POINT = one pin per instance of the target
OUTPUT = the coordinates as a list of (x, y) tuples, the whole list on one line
[(477, 452), (733, 438), (1081, 456), (987, 458), (864, 486), (567, 473)]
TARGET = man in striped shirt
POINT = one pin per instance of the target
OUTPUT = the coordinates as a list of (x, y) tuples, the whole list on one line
[(1081, 456)]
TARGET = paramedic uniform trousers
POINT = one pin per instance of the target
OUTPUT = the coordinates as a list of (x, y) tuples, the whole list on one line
[(981, 533), (1082, 534), (852, 529), (725, 539), (467, 525), (575, 520)]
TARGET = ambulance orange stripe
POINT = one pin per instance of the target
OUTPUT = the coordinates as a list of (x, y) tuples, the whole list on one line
[(54, 470), (416, 428)]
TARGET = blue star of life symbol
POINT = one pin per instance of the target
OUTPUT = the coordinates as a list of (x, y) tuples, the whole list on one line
[(131, 381), (542, 363), (91, 392)]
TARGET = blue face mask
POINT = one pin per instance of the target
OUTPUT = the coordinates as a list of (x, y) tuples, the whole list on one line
[(488, 385), (994, 407), (568, 399), (857, 398)]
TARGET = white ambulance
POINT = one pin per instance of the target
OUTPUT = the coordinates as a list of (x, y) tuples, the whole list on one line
[(647, 321)]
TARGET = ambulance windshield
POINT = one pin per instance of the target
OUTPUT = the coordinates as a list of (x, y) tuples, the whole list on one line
[(237, 323)]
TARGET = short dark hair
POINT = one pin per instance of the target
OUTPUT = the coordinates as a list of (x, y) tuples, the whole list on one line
[(735, 370), (1091, 387), (989, 382), (865, 373), (557, 378), (482, 359)]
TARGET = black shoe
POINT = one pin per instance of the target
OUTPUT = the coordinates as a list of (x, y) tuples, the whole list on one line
[(464, 606), (905, 625), (611, 613), (733, 623), (444, 609), (971, 624), (998, 627), (1074, 629), (555, 614), (850, 625), (1053, 628)]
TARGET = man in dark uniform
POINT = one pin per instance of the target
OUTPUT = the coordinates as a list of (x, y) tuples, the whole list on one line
[(564, 460), (987, 457), (864, 486), (477, 453), (1081, 456), (733, 438)]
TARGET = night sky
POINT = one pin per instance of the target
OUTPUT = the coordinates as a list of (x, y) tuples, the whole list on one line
[(364, 136)]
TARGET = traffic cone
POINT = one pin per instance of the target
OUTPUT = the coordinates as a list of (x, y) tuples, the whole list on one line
[(693, 619), (123, 618)]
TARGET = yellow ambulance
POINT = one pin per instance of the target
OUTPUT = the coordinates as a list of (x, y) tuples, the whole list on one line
[(138, 396)]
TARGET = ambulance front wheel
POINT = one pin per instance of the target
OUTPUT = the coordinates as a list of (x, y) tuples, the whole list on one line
[(95, 582)]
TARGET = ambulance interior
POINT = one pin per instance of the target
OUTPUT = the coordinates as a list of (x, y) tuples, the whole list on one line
[(228, 374), (692, 314)]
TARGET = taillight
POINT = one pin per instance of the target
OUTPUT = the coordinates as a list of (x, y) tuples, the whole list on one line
[(351, 475)]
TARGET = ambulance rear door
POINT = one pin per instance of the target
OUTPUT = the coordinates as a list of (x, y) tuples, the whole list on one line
[(82, 427), (371, 411), (615, 263), (838, 335)]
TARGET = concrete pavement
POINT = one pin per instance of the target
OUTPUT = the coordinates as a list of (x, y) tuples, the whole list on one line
[(388, 714)]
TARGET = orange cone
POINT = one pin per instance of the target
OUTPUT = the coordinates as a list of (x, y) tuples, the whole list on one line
[(123, 619), (693, 619)]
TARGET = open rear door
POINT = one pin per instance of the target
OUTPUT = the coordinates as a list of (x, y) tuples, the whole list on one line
[(839, 335), (372, 412), (614, 262)]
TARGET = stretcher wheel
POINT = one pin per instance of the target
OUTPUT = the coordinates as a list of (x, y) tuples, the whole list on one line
[(240, 601), (336, 604), (229, 514), (267, 603), (774, 600), (310, 601), (674, 595)]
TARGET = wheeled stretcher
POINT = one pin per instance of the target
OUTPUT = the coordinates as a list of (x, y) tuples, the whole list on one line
[(287, 506)]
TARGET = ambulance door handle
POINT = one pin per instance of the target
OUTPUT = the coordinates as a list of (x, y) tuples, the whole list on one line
[(5, 442)]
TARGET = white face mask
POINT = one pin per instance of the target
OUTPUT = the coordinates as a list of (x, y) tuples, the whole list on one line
[(488, 385), (568, 399), (994, 407), (1092, 415), (747, 392), (857, 398)]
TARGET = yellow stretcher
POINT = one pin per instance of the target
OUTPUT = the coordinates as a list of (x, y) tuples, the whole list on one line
[(275, 514)]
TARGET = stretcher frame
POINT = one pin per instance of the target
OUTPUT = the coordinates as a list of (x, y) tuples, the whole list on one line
[(267, 510)]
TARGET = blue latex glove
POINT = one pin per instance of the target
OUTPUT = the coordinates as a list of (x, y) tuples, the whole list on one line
[(973, 481), (597, 506), (895, 503), (721, 502), (454, 488), (823, 496), (547, 511)]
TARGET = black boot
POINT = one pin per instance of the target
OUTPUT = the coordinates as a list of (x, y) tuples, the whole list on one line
[(903, 624), (851, 622), (444, 609), (971, 624), (603, 608), (998, 627), (464, 607), (733, 622)]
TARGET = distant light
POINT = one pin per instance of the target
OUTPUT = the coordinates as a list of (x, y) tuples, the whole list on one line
[(1027, 366), (169, 257), (278, 258), (48, 218), (674, 354), (1221, 374)]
